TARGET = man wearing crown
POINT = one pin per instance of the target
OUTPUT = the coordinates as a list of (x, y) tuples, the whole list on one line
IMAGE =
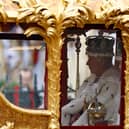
[(98, 99)]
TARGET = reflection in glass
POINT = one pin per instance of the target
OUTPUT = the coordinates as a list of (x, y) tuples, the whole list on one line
[(97, 101), (22, 67)]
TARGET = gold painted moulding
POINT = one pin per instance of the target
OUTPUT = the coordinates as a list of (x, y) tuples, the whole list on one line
[(50, 22)]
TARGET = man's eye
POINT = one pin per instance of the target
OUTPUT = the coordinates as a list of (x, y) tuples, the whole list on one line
[(107, 88)]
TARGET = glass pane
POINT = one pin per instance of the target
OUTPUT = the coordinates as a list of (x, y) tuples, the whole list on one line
[(22, 67), (94, 79)]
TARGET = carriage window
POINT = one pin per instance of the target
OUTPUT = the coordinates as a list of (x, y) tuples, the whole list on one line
[(94, 79), (22, 68)]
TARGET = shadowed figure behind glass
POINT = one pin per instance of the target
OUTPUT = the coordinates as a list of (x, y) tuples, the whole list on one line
[(97, 100)]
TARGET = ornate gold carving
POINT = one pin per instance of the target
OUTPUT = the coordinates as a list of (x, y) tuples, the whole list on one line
[(75, 14), (8, 125), (22, 118), (3, 15), (50, 25)]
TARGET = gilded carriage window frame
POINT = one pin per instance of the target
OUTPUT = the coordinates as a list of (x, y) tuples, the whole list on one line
[(70, 36), (50, 22)]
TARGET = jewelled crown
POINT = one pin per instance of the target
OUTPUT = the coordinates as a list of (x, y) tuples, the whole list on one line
[(100, 45)]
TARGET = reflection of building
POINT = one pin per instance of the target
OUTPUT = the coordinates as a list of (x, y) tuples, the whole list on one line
[(2, 62), (39, 71)]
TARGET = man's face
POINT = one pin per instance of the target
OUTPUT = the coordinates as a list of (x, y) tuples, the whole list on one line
[(26, 77), (97, 64)]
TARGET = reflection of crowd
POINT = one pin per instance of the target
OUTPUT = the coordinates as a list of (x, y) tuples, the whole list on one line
[(19, 80), (24, 94)]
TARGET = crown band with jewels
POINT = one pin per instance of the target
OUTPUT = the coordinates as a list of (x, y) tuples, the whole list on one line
[(103, 46)]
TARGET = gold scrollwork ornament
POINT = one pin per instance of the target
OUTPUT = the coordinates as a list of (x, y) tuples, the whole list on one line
[(51, 25)]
